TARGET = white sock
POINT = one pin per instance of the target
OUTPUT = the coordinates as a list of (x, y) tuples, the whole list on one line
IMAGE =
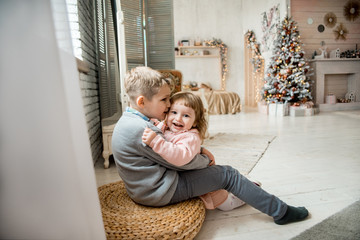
[(231, 203)]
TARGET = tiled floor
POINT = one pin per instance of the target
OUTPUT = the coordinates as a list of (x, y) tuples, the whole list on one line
[(313, 162)]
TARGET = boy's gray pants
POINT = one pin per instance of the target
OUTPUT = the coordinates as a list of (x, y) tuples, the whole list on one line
[(194, 183)]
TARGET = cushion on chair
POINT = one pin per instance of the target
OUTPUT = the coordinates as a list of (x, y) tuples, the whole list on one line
[(124, 219), (176, 77)]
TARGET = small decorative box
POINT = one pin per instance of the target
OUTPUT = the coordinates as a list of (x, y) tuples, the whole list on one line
[(309, 112), (301, 111), (297, 111), (278, 109), (206, 52), (263, 108), (330, 99)]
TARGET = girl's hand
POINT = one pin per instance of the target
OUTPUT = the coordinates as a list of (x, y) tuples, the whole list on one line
[(209, 154), (156, 122), (148, 136)]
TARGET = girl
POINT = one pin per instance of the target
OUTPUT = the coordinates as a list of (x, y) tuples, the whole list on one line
[(184, 130)]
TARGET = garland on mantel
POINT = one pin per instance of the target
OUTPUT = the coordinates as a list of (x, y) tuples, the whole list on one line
[(255, 46), (223, 52)]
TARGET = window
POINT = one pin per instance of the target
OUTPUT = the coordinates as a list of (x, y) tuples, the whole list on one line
[(134, 32), (160, 34), (107, 54), (149, 41), (149, 33), (72, 10)]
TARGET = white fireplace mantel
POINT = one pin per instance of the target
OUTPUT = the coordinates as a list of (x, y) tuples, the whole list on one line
[(322, 67)]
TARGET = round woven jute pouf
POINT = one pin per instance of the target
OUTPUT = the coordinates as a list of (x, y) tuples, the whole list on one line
[(124, 219)]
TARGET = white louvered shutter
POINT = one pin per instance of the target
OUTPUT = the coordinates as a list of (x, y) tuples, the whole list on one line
[(160, 34), (134, 32), (107, 58)]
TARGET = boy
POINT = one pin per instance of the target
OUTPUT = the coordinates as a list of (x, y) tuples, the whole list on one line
[(150, 180)]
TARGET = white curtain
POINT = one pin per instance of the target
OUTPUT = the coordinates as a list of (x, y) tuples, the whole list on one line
[(47, 181)]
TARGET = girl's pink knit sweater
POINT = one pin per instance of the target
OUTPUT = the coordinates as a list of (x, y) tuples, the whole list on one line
[(178, 148)]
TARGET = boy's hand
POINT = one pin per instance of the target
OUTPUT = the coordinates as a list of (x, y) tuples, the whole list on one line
[(209, 154), (148, 136)]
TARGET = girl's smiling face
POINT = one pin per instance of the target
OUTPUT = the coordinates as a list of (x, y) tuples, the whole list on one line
[(180, 117)]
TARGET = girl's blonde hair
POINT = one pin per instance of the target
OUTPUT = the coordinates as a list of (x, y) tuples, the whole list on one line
[(194, 102)]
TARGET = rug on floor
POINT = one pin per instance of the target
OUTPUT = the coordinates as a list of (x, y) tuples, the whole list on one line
[(241, 151), (344, 225)]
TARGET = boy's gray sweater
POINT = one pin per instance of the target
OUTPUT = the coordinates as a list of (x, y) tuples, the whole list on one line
[(149, 179)]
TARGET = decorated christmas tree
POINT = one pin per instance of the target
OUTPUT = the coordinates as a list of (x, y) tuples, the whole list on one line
[(287, 77)]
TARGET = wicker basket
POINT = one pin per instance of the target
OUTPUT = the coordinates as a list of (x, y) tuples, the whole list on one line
[(124, 219)]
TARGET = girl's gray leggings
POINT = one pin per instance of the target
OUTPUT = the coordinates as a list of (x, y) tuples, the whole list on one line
[(195, 183)]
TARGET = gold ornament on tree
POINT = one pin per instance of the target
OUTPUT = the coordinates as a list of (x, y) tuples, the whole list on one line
[(330, 20), (340, 32), (351, 10)]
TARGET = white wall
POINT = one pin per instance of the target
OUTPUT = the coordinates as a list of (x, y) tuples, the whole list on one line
[(211, 18), (228, 20), (252, 18)]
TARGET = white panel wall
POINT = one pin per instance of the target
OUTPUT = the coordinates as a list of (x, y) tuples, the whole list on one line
[(200, 70)]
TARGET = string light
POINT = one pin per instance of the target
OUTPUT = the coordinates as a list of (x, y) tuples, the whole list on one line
[(223, 52), (257, 63), (256, 59)]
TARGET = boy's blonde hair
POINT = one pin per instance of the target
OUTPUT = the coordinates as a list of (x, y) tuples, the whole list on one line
[(143, 81), (193, 101)]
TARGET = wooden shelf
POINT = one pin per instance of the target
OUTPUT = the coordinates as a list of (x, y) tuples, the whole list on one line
[(213, 52), (200, 64), (202, 47), (351, 106), (197, 56)]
